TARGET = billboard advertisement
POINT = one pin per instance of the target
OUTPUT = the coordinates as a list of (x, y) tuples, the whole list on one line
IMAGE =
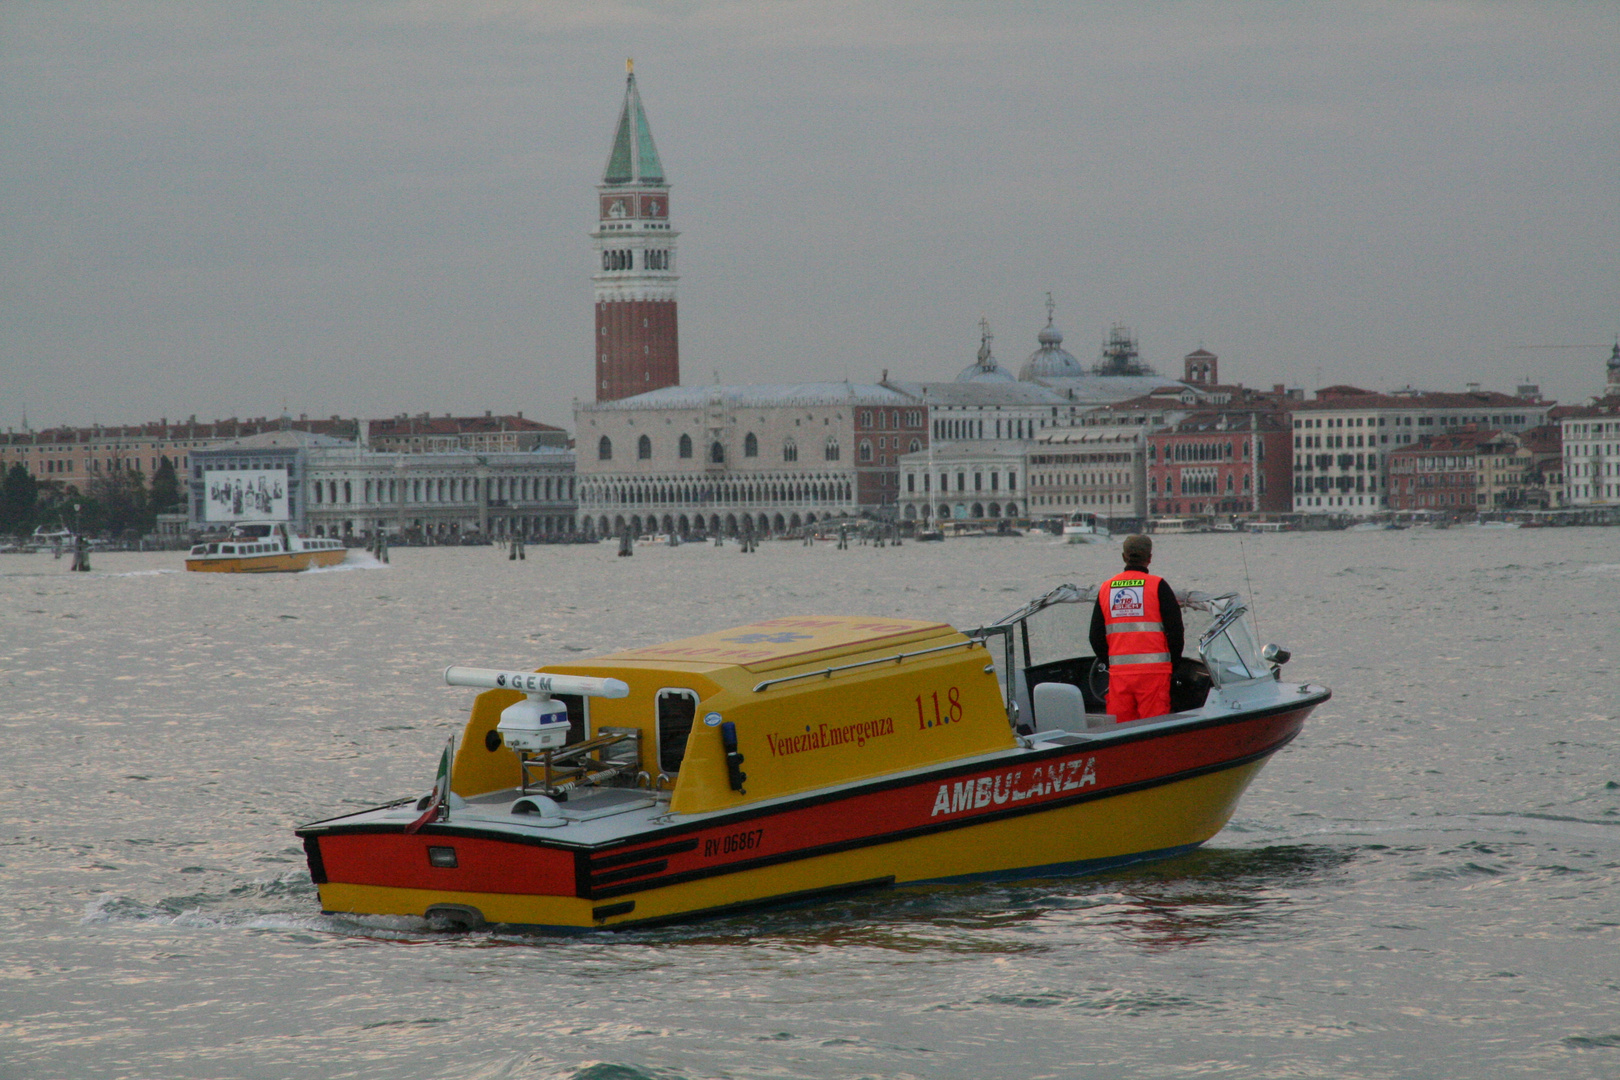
[(245, 495)]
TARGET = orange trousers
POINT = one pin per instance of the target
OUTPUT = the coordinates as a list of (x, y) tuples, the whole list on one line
[(1135, 697)]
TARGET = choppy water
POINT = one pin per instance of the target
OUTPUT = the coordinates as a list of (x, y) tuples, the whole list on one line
[(1424, 884)]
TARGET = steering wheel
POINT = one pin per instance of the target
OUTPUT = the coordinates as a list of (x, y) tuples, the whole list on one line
[(1097, 679)]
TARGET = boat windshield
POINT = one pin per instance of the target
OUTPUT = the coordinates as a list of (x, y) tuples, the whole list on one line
[(1056, 627), (1229, 647)]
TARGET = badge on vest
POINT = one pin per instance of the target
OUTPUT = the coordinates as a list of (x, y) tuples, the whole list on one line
[(1125, 601)]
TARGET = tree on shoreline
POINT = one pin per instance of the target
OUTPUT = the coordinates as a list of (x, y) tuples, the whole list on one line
[(166, 496), (19, 500), (119, 505)]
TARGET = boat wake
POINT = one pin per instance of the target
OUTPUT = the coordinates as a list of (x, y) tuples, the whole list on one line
[(355, 560), (212, 911)]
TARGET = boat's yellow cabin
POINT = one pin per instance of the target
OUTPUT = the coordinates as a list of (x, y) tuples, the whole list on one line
[(810, 701)]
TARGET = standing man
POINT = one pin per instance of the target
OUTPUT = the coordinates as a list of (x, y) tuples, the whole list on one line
[(1136, 626)]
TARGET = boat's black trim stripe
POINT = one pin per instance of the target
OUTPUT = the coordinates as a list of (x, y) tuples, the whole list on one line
[(744, 905), (679, 847), (588, 855), (639, 870), (317, 865), (897, 835)]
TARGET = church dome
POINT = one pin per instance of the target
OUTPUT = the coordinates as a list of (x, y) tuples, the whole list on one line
[(985, 369), (1050, 361)]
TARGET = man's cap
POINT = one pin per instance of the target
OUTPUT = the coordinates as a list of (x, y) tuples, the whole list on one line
[(1137, 549)]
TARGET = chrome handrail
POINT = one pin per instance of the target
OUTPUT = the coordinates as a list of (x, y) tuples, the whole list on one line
[(896, 658)]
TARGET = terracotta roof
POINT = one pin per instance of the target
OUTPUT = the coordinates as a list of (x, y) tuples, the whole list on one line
[(1366, 399), (1208, 422), (1464, 441), (1604, 406), (453, 425), (1547, 439)]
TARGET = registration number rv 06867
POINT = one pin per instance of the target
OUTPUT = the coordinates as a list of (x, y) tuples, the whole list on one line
[(732, 843)]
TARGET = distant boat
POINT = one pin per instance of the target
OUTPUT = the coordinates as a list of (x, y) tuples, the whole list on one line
[(265, 549), (1179, 525), (1083, 528)]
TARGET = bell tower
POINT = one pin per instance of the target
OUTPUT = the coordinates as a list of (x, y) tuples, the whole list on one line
[(637, 348)]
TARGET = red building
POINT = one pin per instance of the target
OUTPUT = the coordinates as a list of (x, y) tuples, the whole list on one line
[(1228, 453), (637, 345), (1220, 461), (1438, 472), (881, 436)]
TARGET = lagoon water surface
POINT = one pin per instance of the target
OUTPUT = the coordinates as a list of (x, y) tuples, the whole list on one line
[(1426, 883)]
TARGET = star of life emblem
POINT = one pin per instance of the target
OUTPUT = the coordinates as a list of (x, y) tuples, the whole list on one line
[(1125, 601)]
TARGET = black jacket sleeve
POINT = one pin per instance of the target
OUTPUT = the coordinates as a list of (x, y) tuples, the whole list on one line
[(1099, 631), (1175, 634)]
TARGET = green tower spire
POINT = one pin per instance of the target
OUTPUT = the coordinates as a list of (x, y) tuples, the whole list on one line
[(634, 159)]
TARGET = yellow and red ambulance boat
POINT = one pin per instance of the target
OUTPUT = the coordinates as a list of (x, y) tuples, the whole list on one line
[(803, 756)]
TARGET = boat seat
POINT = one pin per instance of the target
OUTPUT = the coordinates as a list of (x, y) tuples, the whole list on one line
[(1059, 706)]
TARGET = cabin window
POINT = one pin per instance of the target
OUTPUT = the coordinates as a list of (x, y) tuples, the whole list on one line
[(676, 709)]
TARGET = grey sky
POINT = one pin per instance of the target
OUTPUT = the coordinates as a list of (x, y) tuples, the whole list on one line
[(368, 208)]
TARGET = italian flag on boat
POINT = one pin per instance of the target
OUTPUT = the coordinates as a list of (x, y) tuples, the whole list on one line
[(438, 802)]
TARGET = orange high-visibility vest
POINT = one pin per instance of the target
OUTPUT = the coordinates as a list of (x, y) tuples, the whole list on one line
[(1130, 607)]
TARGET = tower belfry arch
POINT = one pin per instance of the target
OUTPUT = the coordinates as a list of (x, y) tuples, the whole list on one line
[(637, 341)]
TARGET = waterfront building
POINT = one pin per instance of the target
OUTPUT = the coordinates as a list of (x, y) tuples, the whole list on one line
[(1521, 470), (481, 434), (1342, 439), (988, 425), (1220, 461), (1591, 444), (883, 433), (1473, 471), (1100, 469), (1441, 472), (735, 459), (977, 434), (332, 487), (77, 455), (637, 343), (1211, 447), (965, 481)]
